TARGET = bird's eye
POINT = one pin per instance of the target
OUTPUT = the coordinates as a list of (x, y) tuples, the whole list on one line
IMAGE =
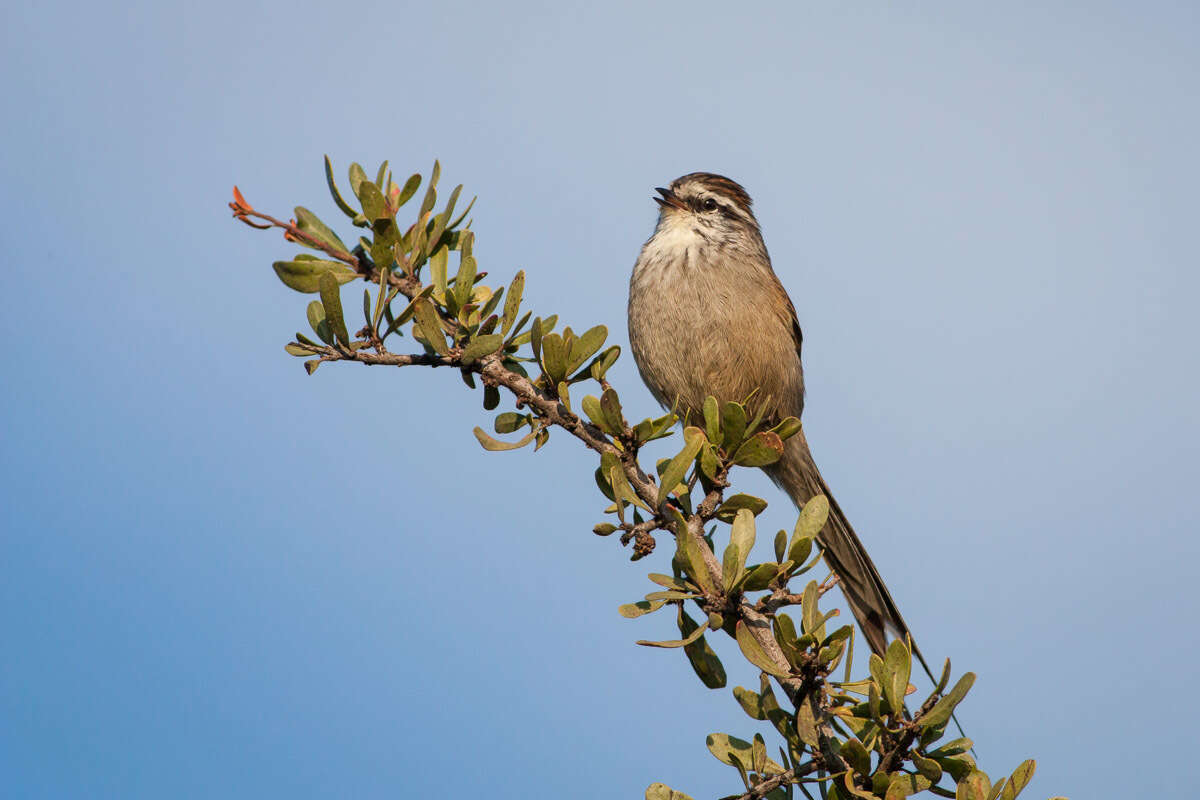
[(709, 204)]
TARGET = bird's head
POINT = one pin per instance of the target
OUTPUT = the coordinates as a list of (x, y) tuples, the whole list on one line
[(706, 203)]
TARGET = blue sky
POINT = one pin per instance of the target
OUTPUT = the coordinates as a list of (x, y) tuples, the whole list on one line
[(223, 578)]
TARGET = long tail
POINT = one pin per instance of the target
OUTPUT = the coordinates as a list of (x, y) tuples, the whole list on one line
[(870, 601)]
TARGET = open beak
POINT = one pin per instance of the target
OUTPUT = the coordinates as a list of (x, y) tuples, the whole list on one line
[(668, 199)]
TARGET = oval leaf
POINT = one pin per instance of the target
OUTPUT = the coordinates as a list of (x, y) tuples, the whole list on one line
[(940, 713), (481, 346), (741, 540), (634, 610), (673, 475), (696, 634), (331, 300), (760, 450), (314, 227), (305, 275), (730, 507), (754, 653), (494, 444)]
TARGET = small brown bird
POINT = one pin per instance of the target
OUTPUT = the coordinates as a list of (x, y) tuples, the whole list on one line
[(708, 316)]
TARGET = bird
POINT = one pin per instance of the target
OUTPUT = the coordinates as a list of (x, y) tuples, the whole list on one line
[(709, 316)]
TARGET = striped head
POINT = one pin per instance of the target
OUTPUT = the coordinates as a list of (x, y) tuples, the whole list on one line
[(706, 201)]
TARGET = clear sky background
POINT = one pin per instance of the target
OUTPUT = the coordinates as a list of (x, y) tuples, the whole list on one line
[(220, 577)]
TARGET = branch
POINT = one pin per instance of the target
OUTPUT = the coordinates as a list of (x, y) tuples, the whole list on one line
[(765, 787), (484, 344)]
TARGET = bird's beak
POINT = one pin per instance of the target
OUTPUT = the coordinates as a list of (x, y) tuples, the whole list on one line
[(668, 199)]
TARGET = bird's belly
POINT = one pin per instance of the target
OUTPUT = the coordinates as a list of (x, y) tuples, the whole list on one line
[(694, 337)]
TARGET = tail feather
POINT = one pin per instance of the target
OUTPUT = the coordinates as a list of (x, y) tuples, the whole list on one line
[(867, 594)]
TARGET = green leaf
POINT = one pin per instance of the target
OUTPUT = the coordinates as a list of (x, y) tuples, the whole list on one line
[(304, 275), (671, 582), (512, 303), (650, 429), (309, 223), (953, 748), (741, 540), (431, 190), (754, 653), (734, 751), (902, 785), (786, 429), (357, 176), (856, 756), (897, 666), (760, 450), (926, 766), (812, 518), (297, 350), (812, 621), (693, 636), (441, 220), (332, 301), (730, 507), (700, 654), (975, 786), (509, 421), (806, 725), (940, 713), (373, 205), (846, 788), (634, 610), (431, 328), (750, 702), (345, 207), (675, 471), (691, 558), (554, 357), (464, 282), (458, 220), (490, 306), (781, 540), (481, 346), (409, 189), (587, 345), (944, 680), (733, 425), (712, 419), (833, 646), (591, 407), (437, 273), (602, 363), (408, 311), (465, 242), (760, 577), (659, 791), (672, 594), (1019, 779), (785, 635), (491, 397), (316, 318), (494, 444), (958, 766), (610, 409)]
